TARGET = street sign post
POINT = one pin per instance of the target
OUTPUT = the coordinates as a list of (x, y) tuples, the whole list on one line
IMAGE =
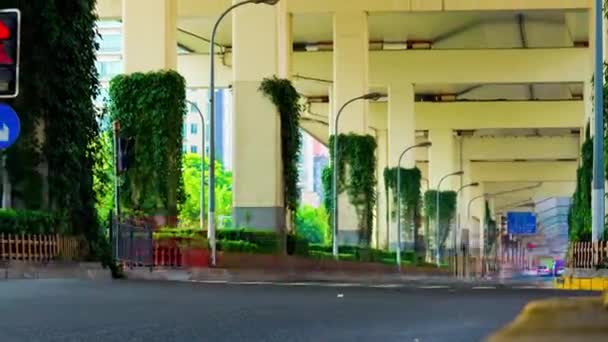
[(10, 126)]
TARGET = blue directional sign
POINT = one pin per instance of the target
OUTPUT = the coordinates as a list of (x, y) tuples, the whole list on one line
[(521, 223), (10, 126)]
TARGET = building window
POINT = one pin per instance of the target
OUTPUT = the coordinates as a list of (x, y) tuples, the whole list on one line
[(184, 149), (110, 43), (107, 69), (193, 149), (193, 128)]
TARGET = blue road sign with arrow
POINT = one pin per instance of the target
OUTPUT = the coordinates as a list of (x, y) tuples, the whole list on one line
[(10, 126)]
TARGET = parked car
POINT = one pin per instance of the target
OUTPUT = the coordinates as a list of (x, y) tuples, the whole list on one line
[(543, 271)]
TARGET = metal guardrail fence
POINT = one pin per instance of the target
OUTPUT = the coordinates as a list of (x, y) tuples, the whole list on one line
[(588, 255), (132, 245)]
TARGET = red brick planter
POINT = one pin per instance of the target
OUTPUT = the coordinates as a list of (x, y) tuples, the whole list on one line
[(195, 257)]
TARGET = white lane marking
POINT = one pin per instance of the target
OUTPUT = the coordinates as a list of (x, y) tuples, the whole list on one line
[(484, 288), (343, 285), (210, 281), (253, 283), (387, 286), (296, 284), (432, 287), (529, 287)]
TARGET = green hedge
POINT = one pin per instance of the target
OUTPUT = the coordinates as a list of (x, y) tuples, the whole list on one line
[(237, 246), (31, 222), (362, 254)]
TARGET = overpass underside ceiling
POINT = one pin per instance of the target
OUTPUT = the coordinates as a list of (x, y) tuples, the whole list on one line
[(436, 30)]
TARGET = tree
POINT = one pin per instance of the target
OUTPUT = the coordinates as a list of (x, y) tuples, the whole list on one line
[(311, 224), (191, 173)]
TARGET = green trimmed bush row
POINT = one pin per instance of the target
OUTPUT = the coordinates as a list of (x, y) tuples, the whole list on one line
[(31, 222)]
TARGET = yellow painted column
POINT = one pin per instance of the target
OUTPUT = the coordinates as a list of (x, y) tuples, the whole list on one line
[(381, 234), (401, 135), (150, 35), (350, 74), (442, 159), (257, 177), (351, 70)]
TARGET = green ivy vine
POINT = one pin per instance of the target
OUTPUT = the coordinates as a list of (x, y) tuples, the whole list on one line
[(150, 108), (491, 230), (287, 100), (411, 197), (447, 210), (51, 166), (357, 155), (579, 217)]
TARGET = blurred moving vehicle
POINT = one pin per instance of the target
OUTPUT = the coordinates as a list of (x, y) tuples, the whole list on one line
[(543, 271), (558, 268)]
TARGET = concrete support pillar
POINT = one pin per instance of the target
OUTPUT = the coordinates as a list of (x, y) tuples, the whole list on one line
[(442, 159), (351, 70), (401, 135), (150, 40), (257, 177), (351, 74), (382, 234)]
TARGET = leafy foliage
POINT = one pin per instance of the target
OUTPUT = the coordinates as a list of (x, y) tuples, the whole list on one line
[(150, 108), (491, 230), (411, 197), (191, 173), (579, 217), (286, 99), (311, 224), (31, 222), (447, 209), (357, 154), (57, 86)]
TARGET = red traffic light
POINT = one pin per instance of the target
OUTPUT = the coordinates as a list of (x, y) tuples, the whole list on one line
[(9, 52), (5, 32)]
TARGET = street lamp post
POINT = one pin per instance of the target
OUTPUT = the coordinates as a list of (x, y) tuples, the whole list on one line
[(437, 235), (211, 215), (398, 249), (457, 230), (598, 209), (202, 195), (370, 96)]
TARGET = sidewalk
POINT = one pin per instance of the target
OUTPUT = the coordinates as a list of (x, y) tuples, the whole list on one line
[(559, 320), (249, 276)]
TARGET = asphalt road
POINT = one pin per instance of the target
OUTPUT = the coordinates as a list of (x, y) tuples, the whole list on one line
[(72, 310)]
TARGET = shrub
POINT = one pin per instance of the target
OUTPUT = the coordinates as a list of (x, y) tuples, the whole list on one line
[(311, 224), (237, 246), (297, 245), (31, 222)]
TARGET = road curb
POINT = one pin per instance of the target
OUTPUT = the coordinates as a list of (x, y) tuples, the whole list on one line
[(53, 270)]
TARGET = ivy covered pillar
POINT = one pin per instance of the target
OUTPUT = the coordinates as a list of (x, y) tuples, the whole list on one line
[(257, 170), (150, 35), (351, 78), (401, 135)]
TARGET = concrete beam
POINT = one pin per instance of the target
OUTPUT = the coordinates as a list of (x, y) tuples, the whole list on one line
[(460, 66), (531, 148), (321, 6), (197, 8), (524, 171)]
